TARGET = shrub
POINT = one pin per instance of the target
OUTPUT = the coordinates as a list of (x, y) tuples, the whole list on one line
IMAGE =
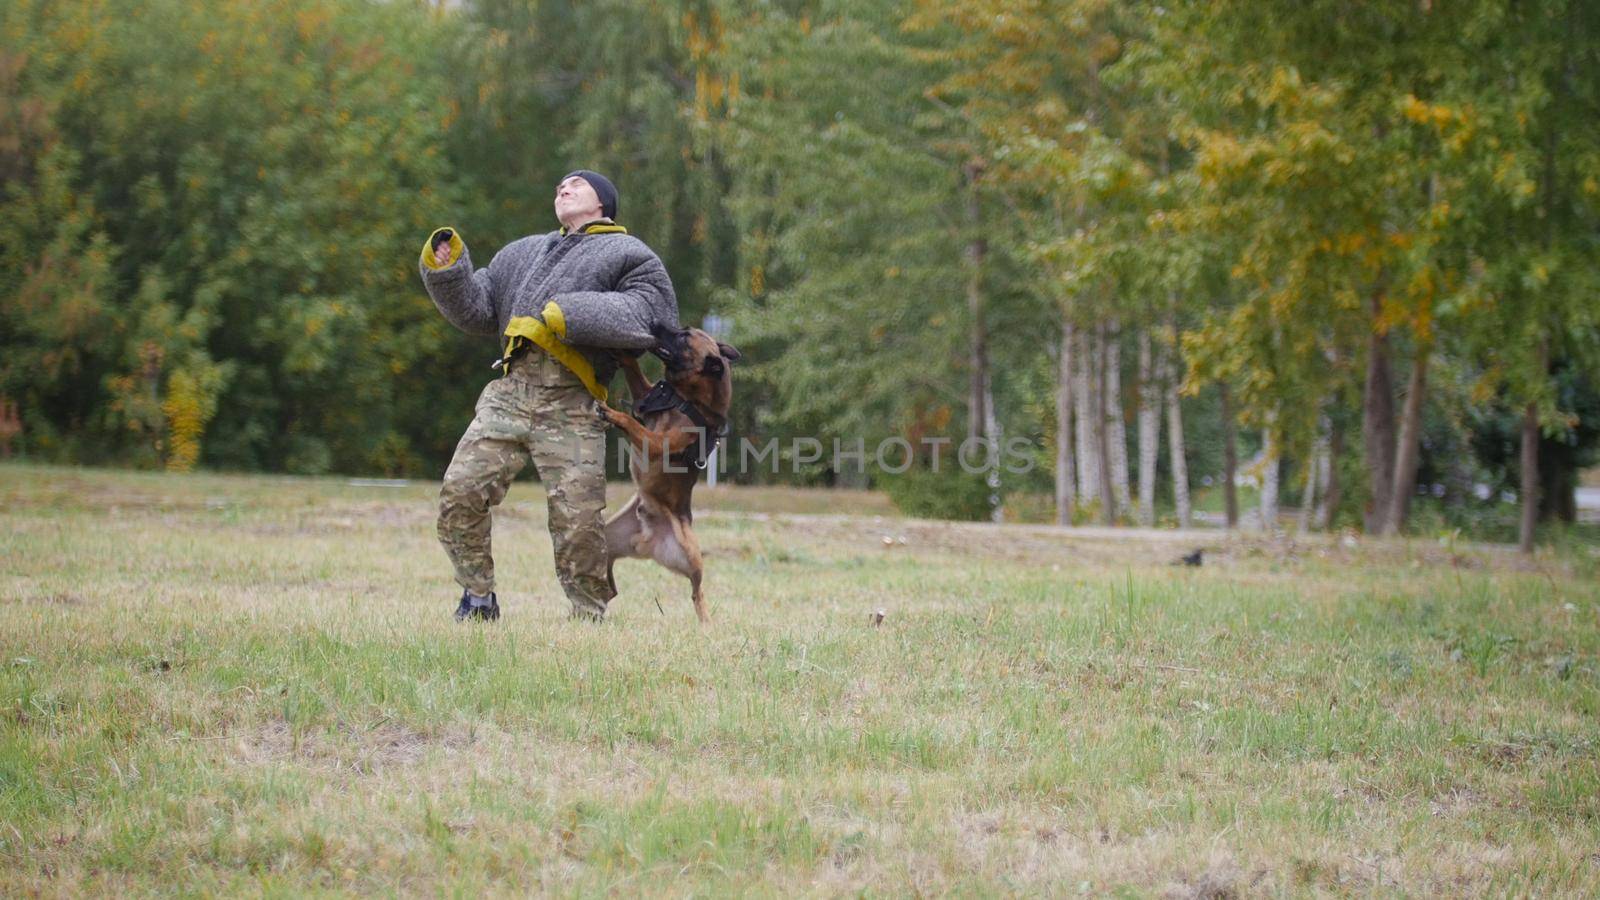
[(947, 494)]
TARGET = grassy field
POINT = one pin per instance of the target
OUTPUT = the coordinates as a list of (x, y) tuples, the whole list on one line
[(252, 685)]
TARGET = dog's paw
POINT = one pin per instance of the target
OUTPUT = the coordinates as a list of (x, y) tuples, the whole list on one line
[(606, 414)]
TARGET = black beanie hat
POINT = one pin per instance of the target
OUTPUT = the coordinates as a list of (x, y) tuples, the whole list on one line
[(603, 188)]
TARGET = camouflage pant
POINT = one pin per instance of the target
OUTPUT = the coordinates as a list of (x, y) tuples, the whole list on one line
[(539, 411)]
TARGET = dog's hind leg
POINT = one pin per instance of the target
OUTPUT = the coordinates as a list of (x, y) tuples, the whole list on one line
[(694, 567), (699, 597), (676, 549), (624, 530)]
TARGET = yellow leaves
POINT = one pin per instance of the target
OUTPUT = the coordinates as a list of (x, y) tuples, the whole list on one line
[(1454, 125), (758, 281), (1435, 114), (1219, 156), (1509, 172), (1389, 317), (1283, 86), (184, 410), (310, 21), (1278, 171), (892, 272), (1347, 244), (1487, 388), (1421, 289), (702, 41), (702, 102), (1106, 48), (1373, 259), (1283, 303), (1424, 113), (1457, 142)]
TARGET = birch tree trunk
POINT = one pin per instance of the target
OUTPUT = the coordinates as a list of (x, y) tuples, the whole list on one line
[(1269, 477), (991, 428), (1178, 462), (1066, 474), (1313, 510), (1331, 489), (1230, 458), (1149, 431), (1116, 429), (977, 350), (1085, 400)]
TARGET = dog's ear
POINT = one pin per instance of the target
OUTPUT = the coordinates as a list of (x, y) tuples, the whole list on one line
[(728, 351)]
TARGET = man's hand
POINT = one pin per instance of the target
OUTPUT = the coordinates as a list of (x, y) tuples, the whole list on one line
[(441, 250)]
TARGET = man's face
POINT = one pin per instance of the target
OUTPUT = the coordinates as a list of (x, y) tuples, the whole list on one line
[(576, 202)]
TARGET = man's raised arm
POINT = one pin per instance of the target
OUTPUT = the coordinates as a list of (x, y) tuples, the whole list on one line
[(465, 296)]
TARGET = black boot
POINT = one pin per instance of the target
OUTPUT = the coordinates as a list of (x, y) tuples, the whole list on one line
[(482, 610)]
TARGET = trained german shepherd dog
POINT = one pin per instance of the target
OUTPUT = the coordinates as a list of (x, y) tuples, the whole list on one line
[(679, 421)]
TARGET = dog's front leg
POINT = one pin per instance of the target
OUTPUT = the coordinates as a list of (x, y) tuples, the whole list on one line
[(650, 444), (634, 429), (637, 385)]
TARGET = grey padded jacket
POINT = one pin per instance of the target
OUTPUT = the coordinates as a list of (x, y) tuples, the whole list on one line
[(578, 295)]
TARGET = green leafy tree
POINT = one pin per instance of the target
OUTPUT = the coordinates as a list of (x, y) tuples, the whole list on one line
[(858, 216)]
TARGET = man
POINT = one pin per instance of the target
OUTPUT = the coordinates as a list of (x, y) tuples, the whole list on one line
[(561, 302)]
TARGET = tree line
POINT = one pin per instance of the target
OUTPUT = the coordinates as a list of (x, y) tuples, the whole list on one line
[(1348, 250)]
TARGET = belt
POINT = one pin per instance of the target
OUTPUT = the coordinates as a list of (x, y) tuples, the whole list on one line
[(529, 358)]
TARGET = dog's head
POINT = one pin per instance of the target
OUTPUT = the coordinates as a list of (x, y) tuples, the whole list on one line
[(697, 365)]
